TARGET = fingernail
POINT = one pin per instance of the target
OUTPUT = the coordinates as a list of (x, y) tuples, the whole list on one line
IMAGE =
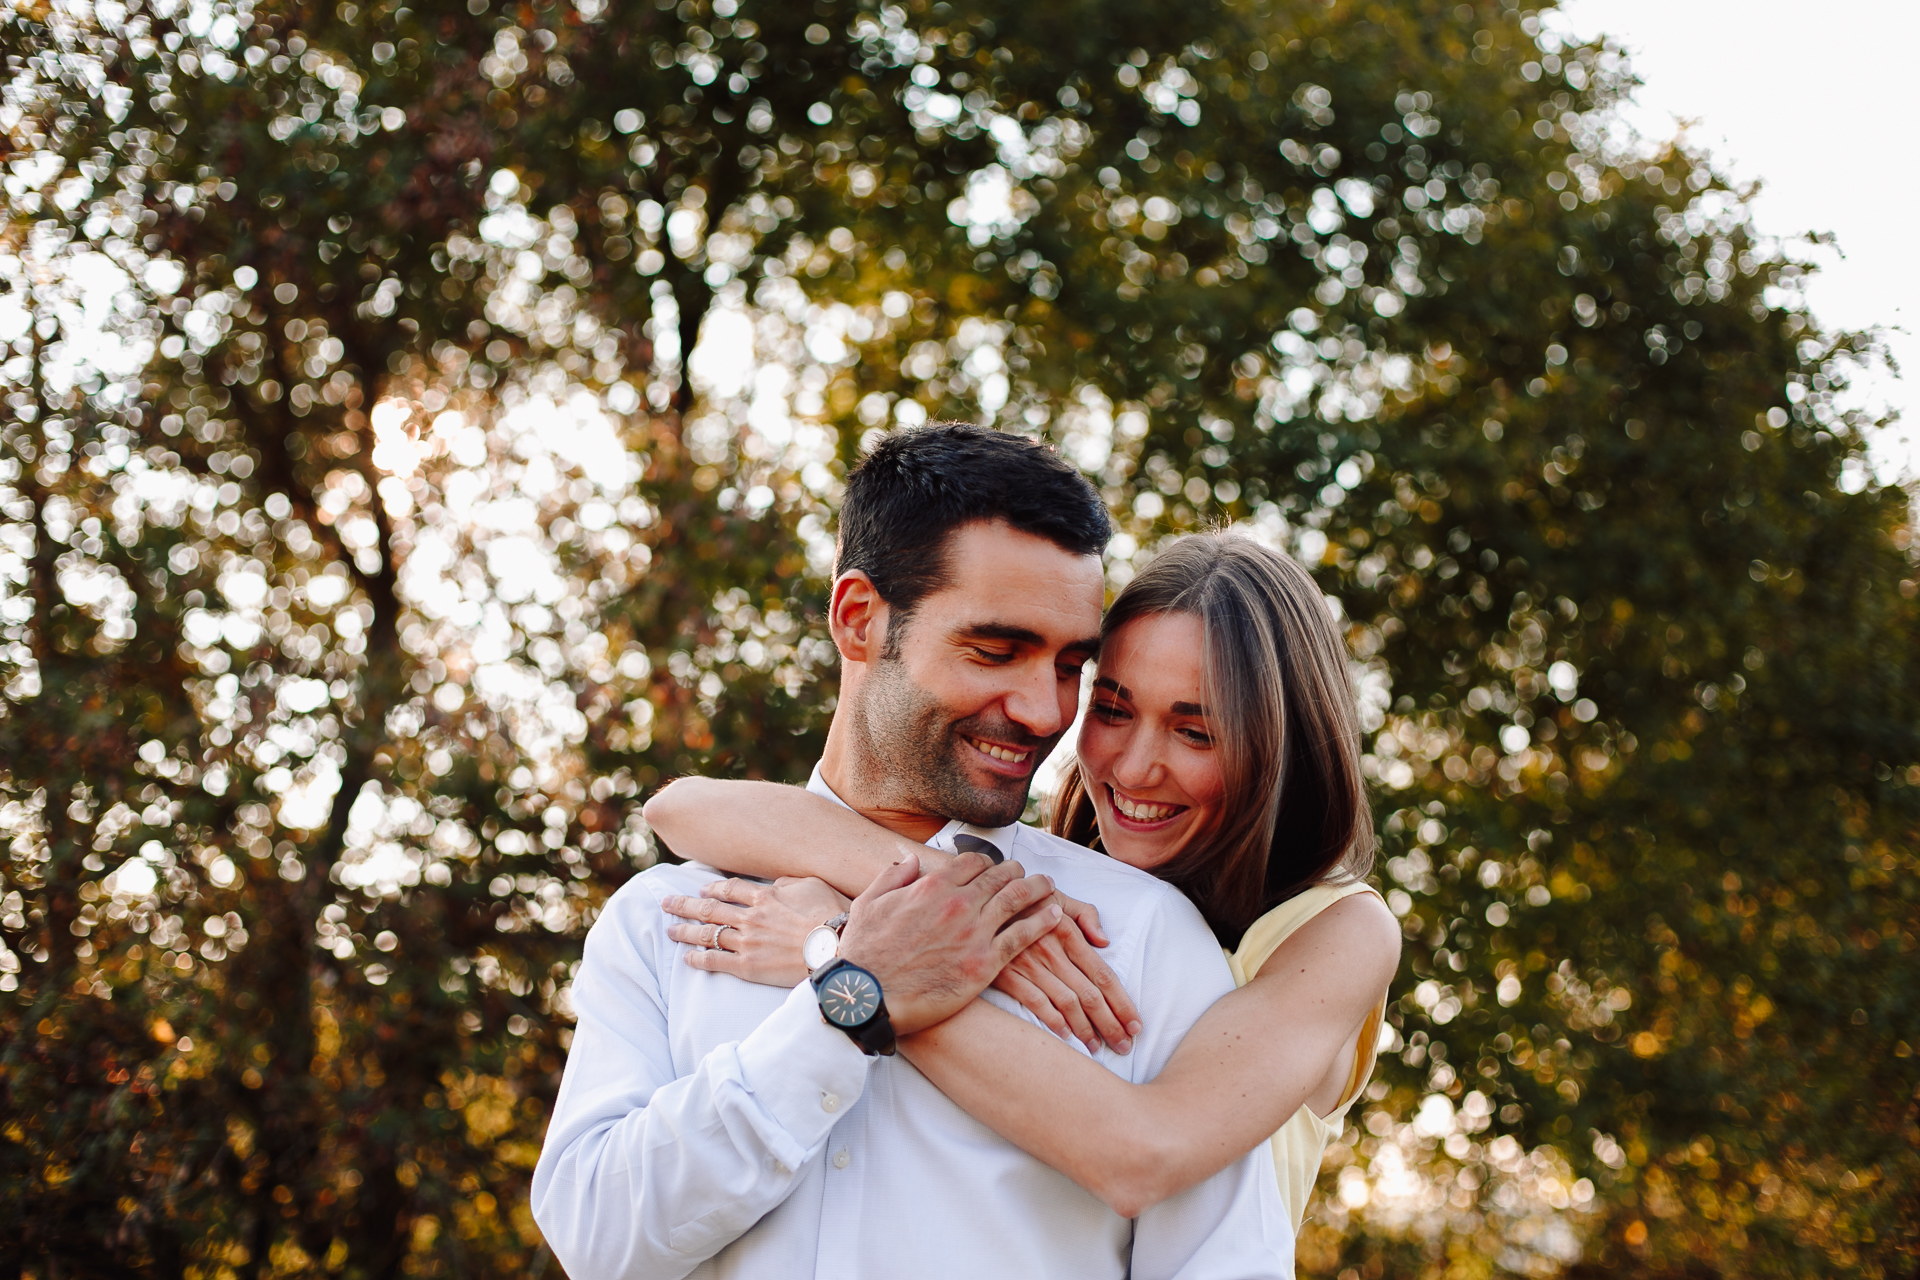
[(669, 902), (1053, 913), (1125, 1046), (1093, 1046), (1133, 1028)]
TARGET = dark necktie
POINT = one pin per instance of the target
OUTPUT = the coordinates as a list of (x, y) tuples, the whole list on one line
[(974, 844)]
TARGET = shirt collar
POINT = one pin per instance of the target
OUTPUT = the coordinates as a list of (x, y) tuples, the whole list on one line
[(1002, 838)]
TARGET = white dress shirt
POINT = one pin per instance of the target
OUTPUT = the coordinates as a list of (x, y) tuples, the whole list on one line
[(711, 1127)]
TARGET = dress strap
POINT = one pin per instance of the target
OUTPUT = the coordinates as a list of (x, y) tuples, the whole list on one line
[(1366, 1053)]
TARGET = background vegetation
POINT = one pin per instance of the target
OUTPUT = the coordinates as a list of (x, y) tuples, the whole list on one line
[(368, 549)]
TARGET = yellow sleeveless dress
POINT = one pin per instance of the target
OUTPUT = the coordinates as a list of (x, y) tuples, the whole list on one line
[(1301, 1142)]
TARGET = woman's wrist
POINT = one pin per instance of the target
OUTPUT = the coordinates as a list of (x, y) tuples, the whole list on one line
[(930, 1041), (931, 859)]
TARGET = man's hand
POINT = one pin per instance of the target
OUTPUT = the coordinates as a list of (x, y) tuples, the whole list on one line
[(936, 940)]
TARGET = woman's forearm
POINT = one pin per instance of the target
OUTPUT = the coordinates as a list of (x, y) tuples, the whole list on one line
[(768, 830), (1251, 1061), (1130, 1145)]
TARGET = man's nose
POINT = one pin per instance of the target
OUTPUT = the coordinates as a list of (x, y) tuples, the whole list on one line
[(1036, 702)]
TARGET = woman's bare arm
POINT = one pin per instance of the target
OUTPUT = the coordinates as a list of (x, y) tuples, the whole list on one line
[(769, 830), (1259, 1054)]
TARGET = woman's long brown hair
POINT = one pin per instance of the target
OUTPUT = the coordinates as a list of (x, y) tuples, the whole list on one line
[(1275, 680)]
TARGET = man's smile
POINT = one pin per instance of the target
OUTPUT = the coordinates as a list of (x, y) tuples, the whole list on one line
[(1006, 755)]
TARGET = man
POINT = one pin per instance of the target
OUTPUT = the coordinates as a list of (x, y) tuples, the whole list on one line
[(708, 1126)]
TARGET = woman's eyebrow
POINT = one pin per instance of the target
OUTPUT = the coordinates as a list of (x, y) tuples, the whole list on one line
[(1189, 709), (1114, 687)]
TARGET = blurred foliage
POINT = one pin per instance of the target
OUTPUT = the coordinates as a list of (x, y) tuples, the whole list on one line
[(371, 540)]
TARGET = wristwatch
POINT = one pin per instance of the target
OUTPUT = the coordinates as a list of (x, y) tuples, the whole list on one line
[(850, 999), (822, 944)]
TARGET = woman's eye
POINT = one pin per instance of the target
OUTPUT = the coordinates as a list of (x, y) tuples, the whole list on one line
[(1197, 737), (1109, 710)]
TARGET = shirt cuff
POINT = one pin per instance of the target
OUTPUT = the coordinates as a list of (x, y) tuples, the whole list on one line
[(804, 1072)]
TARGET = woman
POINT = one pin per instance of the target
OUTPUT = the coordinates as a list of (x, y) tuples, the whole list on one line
[(1220, 752)]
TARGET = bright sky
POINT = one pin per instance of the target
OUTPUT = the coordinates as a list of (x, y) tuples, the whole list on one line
[(1813, 99)]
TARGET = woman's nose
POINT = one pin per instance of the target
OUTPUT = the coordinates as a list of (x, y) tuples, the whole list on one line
[(1139, 763)]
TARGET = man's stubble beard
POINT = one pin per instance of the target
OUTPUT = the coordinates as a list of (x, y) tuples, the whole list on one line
[(914, 743)]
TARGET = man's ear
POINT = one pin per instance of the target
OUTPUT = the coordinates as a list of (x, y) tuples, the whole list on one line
[(857, 618)]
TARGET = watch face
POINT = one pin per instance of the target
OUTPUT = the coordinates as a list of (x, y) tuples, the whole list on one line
[(850, 998), (822, 944)]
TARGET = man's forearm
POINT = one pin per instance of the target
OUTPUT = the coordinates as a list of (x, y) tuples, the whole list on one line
[(646, 1175)]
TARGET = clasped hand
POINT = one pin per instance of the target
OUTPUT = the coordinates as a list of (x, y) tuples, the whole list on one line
[(935, 940)]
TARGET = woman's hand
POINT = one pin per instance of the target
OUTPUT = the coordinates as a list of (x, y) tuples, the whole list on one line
[(1063, 982), (753, 931)]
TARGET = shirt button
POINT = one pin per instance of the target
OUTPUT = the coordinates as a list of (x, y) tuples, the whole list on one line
[(781, 1169), (841, 1158), (829, 1102)]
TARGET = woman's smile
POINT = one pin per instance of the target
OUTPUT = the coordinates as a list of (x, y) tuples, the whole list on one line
[(1143, 814)]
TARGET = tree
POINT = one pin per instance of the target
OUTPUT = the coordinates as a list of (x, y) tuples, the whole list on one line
[(388, 548)]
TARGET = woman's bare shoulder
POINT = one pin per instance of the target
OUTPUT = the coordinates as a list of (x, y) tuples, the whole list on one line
[(1354, 942)]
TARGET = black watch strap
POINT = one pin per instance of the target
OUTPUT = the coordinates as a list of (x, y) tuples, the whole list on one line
[(876, 1037)]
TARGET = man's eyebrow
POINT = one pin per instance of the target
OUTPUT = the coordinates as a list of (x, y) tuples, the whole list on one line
[(1000, 631), (1089, 645)]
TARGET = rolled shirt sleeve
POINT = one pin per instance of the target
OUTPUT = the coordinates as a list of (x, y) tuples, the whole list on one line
[(649, 1170)]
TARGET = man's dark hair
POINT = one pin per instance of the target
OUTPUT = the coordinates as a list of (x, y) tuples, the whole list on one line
[(906, 498)]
